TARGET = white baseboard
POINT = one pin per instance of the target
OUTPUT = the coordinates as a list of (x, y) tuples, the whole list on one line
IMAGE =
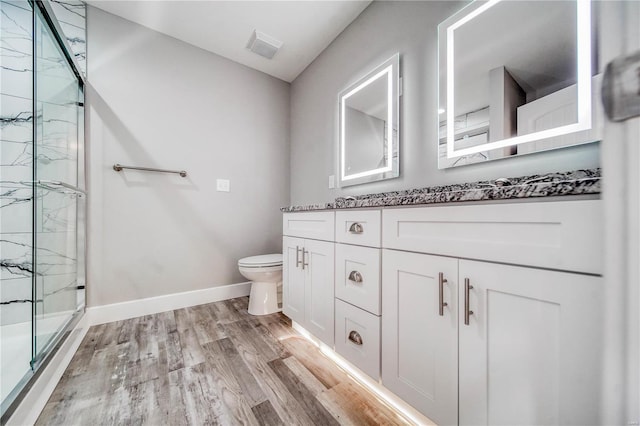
[(153, 305), (33, 403)]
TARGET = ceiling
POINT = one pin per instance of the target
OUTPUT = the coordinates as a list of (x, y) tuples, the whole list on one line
[(224, 27)]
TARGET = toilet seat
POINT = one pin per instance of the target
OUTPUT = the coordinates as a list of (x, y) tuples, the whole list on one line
[(262, 261)]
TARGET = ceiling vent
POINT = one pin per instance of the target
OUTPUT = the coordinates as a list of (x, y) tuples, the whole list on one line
[(263, 45)]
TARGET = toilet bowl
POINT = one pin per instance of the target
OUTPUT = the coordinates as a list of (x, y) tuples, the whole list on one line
[(265, 274)]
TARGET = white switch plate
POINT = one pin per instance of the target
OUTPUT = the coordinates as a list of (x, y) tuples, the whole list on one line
[(223, 185), (332, 181)]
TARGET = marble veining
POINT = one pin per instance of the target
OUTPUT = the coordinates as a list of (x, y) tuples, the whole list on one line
[(71, 15), (18, 264), (52, 260), (575, 182), (9, 302), (54, 155), (16, 52)]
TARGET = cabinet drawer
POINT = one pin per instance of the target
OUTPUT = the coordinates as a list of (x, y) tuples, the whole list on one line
[(358, 276), (361, 227), (564, 235), (313, 225), (358, 337)]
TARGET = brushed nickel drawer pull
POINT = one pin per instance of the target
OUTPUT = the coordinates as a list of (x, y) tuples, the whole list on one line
[(355, 337), (441, 302), (355, 276), (304, 253), (356, 228), (467, 311), (298, 262)]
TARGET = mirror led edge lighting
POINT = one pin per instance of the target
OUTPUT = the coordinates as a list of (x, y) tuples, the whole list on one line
[(583, 72), (388, 167)]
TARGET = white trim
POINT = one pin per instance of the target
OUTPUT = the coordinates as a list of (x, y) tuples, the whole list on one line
[(403, 409), (33, 403), (168, 302)]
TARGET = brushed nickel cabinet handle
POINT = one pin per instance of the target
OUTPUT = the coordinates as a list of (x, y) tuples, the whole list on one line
[(355, 337), (356, 228), (441, 302), (355, 276), (298, 262), (467, 311), (304, 253)]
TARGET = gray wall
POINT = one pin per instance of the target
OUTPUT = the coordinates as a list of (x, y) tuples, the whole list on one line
[(383, 29), (156, 101)]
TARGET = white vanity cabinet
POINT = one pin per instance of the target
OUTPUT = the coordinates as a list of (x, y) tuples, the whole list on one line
[(514, 344), (420, 332), (357, 283), (529, 352), (526, 355), (308, 272), (471, 313), (293, 279)]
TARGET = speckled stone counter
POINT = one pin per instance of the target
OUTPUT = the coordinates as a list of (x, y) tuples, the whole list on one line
[(576, 182)]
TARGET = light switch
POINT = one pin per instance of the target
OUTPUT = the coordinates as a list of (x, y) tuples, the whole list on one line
[(332, 181), (222, 185)]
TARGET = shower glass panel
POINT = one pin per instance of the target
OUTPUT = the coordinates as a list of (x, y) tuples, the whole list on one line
[(16, 196), (42, 201), (58, 101)]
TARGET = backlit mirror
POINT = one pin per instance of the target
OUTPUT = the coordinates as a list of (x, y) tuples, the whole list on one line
[(368, 148), (516, 77)]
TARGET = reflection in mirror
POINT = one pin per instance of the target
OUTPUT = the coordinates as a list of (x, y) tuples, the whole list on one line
[(516, 77), (369, 126)]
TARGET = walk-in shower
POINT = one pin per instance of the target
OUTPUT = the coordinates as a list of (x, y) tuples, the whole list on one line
[(42, 210)]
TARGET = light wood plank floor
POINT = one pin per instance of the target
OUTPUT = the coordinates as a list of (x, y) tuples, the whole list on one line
[(208, 364)]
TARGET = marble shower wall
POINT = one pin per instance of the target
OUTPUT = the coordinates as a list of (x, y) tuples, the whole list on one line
[(59, 124), (72, 17), (16, 162)]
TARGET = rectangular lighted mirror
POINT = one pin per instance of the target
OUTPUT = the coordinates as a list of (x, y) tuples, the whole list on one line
[(516, 77), (368, 126)]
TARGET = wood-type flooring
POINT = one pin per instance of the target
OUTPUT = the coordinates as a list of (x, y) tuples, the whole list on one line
[(211, 364)]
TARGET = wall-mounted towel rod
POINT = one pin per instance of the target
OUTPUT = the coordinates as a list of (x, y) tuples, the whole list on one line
[(119, 167)]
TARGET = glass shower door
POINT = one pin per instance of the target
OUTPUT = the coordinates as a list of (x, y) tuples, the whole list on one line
[(16, 196), (42, 203), (59, 200)]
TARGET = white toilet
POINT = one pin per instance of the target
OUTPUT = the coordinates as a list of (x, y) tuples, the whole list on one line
[(265, 272)]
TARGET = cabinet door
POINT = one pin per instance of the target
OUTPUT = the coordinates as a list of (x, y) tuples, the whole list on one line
[(293, 288), (529, 354), (319, 291), (420, 347)]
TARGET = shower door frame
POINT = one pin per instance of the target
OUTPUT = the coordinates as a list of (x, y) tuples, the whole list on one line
[(41, 9)]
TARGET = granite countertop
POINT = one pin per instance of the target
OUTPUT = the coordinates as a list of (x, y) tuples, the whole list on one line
[(576, 182)]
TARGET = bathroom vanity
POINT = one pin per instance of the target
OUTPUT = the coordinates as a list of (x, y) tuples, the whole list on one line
[(473, 313)]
